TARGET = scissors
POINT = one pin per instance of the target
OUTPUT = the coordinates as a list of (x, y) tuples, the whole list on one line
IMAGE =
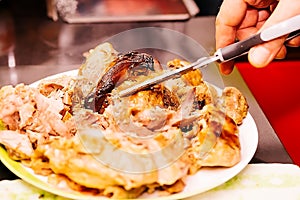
[(288, 27)]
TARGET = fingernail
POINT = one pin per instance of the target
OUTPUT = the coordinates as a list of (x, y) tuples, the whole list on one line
[(260, 56)]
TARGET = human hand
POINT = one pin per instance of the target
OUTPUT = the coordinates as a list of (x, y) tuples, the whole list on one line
[(239, 19)]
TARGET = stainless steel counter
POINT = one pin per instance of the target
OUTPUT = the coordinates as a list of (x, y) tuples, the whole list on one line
[(41, 47)]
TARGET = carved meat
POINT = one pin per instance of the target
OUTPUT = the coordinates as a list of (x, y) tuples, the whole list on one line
[(124, 67), (235, 104), (122, 147)]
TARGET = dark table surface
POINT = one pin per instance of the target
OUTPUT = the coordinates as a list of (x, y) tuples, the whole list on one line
[(35, 47)]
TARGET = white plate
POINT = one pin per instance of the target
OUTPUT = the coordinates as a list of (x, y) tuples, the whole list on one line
[(205, 179)]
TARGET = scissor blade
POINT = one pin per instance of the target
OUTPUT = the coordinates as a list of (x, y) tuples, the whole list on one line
[(167, 75)]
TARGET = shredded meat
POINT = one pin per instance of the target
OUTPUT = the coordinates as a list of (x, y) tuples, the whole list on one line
[(19, 144), (32, 115)]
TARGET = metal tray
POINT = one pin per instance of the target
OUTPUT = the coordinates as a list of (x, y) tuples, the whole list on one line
[(93, 11)]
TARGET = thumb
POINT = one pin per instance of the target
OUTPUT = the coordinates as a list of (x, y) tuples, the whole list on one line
[(262, 55)]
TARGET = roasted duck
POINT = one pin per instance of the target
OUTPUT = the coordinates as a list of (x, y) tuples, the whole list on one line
[(76, 130)]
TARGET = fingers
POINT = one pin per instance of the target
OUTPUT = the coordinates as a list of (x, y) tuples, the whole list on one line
[(295, 42), (226, 67), (238, 20), (254, 19), (247, 18), (231, 14), (262, 55), (282, 53)]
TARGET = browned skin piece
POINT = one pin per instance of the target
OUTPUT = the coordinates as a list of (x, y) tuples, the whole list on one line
[(127, 65)]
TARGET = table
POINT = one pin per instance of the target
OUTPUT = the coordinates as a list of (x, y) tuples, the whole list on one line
[(42, 47)]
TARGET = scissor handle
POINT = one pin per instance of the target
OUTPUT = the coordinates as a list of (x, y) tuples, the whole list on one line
[(289, 26)]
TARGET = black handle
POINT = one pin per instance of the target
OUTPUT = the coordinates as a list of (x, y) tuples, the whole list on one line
[(293, 35), (239, 48)]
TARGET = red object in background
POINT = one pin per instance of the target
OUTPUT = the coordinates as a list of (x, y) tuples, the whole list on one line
[(277, 90)]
